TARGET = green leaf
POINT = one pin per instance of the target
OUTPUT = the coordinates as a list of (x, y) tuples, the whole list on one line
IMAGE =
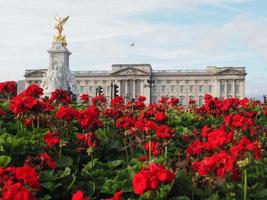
[(46, 197), (261, 194), (50, 186), (115, 163), (4, 161), (109, 187), (64, 161)]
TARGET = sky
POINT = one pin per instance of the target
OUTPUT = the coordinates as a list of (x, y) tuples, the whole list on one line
[(168, 34)]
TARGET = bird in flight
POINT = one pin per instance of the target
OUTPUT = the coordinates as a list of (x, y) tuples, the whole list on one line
[(132, 44)]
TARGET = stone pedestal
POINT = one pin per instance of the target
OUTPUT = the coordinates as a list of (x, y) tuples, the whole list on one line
[(58, 75)]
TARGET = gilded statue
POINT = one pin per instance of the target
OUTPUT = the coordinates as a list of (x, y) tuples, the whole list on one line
[(59, 38)]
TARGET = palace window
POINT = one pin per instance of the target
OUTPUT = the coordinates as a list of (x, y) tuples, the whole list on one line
[(210, 88), (82, 89), (163, 88), (229, 87), (201, 88), (181, 100), (181, 88), (108, 89), (222, 88), (191, 88), (172, 88), (91, 89), (200, 100)]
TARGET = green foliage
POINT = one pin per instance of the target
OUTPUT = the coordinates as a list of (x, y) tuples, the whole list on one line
[(4, 160)]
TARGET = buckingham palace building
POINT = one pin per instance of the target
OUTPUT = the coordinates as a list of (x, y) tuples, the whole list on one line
[(135, 80)]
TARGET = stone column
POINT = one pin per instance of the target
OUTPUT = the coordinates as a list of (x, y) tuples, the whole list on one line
[(141, 87), (134, 95), (225, 89), (119, 84), (126, 87), (217, 89), (234, 89), (242, 88)]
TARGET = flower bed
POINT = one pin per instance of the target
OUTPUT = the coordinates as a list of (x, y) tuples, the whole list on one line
[(53, 148)]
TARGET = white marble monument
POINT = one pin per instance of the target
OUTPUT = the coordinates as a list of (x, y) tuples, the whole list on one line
[(58, 75)]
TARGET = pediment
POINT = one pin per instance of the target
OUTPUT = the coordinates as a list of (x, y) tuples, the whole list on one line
[(130, 71), (231, 72), (35, 73)]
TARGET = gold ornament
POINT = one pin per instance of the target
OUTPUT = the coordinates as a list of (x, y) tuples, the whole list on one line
[(58, 37)]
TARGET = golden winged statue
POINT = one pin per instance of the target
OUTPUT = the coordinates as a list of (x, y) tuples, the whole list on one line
[(59, 38)]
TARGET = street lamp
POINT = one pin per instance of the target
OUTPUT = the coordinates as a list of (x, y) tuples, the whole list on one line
[(150, 83), (265, 99)]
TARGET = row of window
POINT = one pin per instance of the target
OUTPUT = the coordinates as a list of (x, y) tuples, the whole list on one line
[(92, 89), (229, 88), (182, 88)]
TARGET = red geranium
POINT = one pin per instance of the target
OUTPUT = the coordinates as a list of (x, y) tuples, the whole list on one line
[(160, 117), (79, 196), (89, 139), (66, 113), (51, 139), (46, 159), (150, 177), (28, 175), (84, 97), (60, 97)]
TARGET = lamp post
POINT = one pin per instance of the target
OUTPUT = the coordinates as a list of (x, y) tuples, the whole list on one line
[(150, 83), (265, 99)]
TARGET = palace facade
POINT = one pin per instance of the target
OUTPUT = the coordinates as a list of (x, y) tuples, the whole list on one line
[(140, 79)]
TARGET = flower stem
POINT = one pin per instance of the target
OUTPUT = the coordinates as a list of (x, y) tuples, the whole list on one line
[(245, 184), (126, 149)]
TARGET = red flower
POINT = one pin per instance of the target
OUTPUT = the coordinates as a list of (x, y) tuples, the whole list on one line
[(2, 112), (217, 138), (33, 90), (84, 97), (67, 113), (142, 158), (8, 87), (48, 160), (21, 104), (27, 122), (155, 149), (160, 117), (164, 132), (117, 196), (174, 101), (141, 182), (89, 118), (16, 191), (149, 178), (90, 139), (51, 139), (99, 100), (60, 96), (79, 196), (125, 122), (141, 98), (28, 175)]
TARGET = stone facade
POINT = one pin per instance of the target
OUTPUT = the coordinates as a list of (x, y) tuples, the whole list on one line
[(132, 80)]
